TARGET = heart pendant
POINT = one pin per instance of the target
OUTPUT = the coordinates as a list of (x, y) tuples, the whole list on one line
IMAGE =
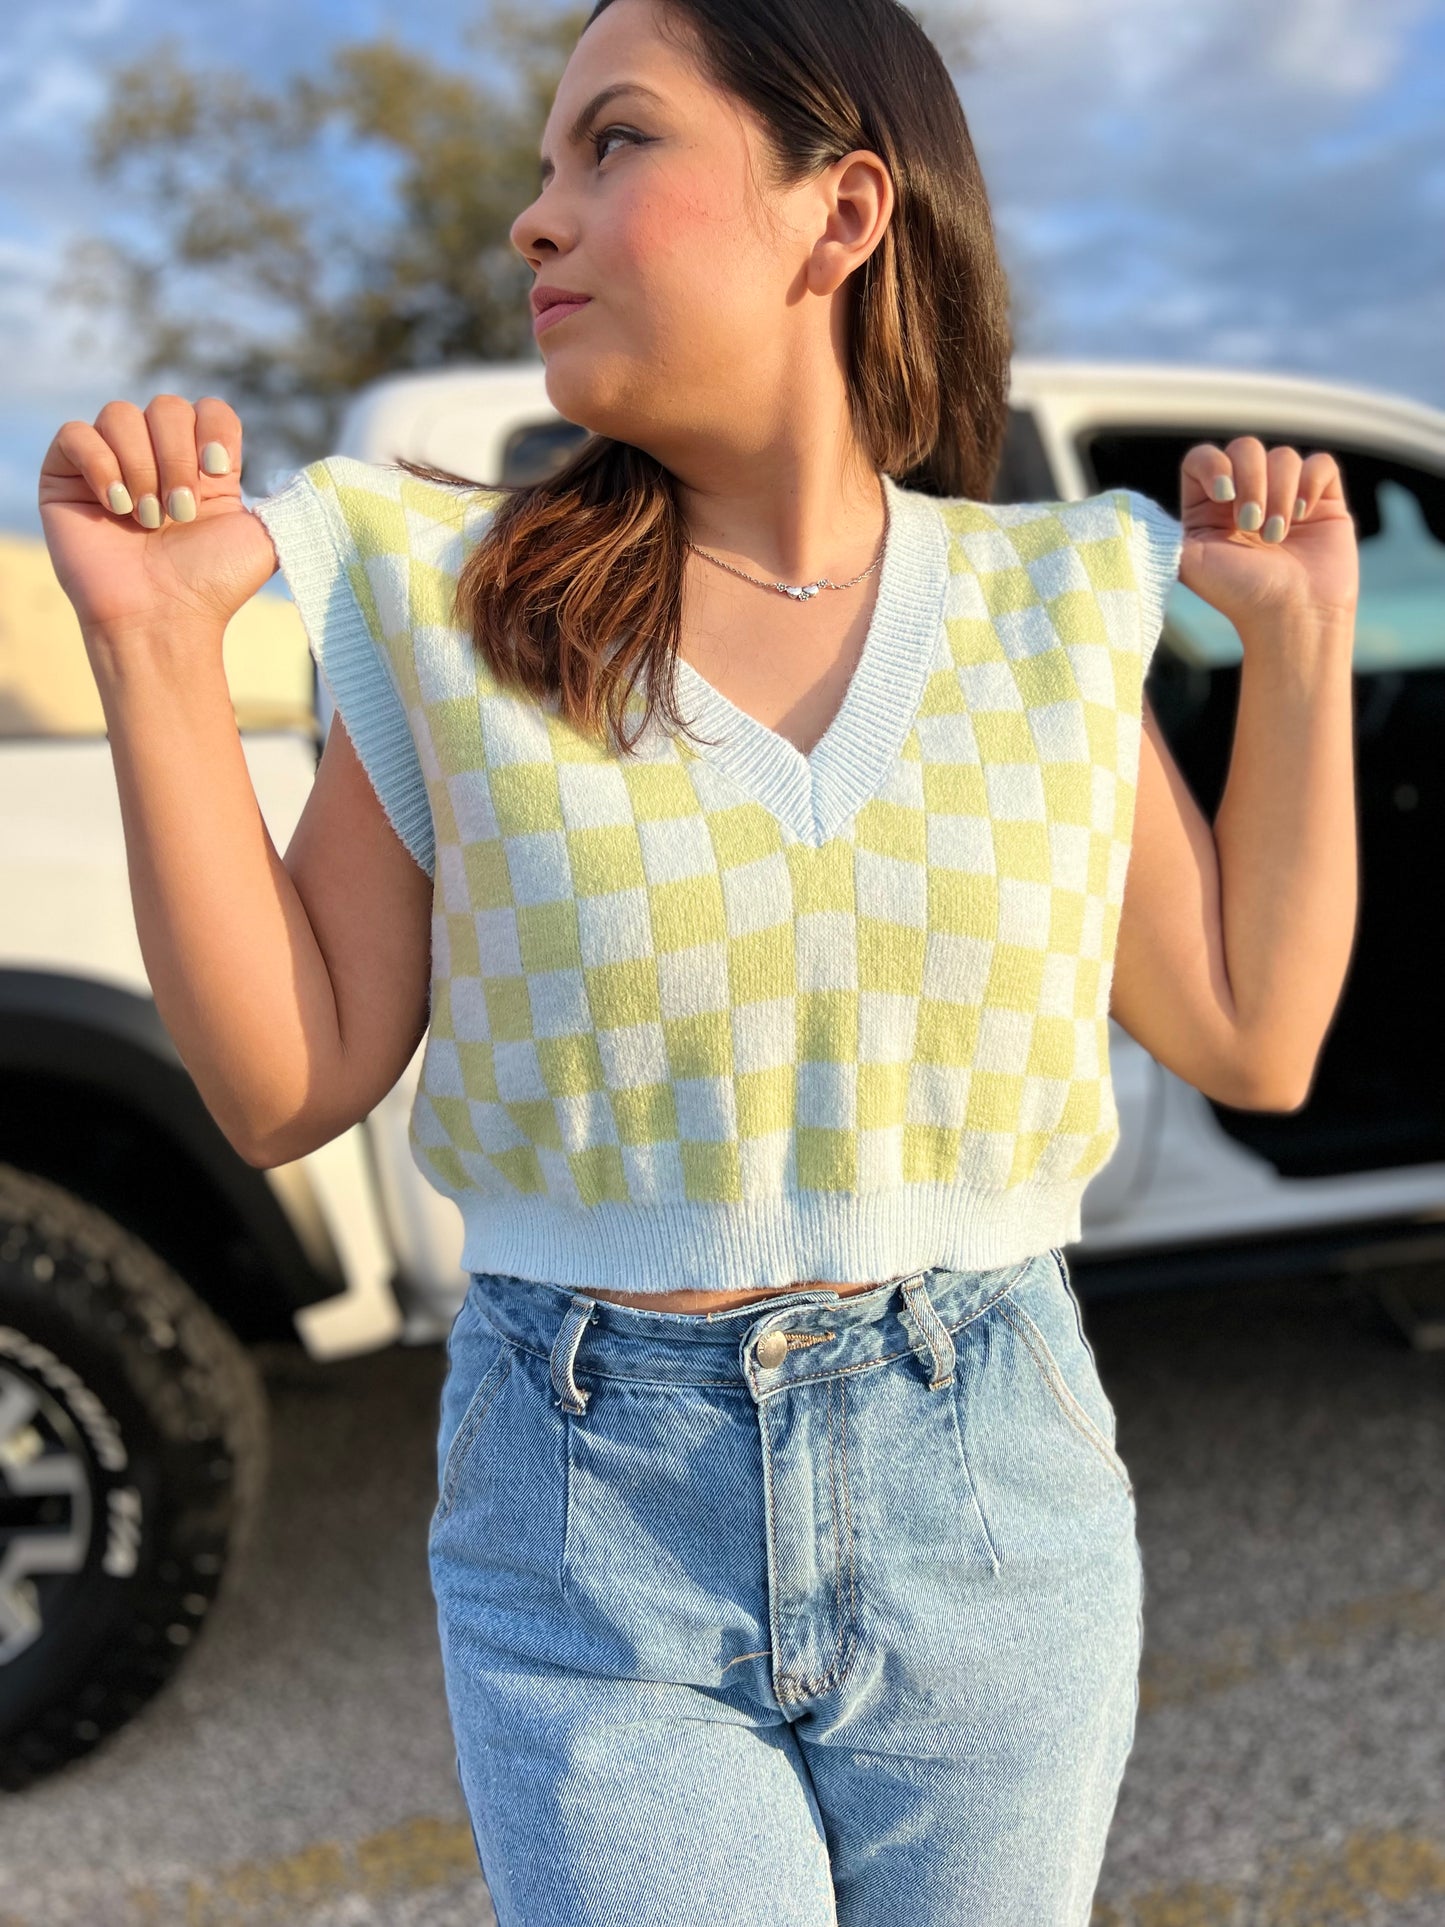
[(804, 592)]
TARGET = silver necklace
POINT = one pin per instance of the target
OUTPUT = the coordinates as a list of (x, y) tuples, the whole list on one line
[(801, 591)]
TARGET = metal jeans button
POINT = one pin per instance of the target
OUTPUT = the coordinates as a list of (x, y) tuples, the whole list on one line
[(771, 1349)]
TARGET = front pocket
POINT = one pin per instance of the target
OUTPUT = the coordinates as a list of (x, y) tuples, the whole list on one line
[(1043, 1315), (473, 1351)]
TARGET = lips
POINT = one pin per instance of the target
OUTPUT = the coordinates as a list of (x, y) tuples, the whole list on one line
[(556, 311)]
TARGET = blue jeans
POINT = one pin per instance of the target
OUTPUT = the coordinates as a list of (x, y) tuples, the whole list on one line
[(823, 1609)]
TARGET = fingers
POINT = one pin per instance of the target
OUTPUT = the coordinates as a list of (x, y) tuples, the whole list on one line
[(1269, 488), (157, 462)]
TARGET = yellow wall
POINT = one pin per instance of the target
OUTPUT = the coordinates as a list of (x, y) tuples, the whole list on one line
[(46, 688)]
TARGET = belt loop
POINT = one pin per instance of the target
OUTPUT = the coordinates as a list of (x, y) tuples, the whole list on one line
[(934, 1331), (564, 1351)]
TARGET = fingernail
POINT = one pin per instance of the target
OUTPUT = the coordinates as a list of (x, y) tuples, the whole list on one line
[(148, 511), (216, 459), (181, 505), (1301, 509), (1273, 530), (118, 495), (1224, 488), (1250, 516)]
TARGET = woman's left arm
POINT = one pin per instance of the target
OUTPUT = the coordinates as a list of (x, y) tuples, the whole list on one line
[(1234, 939)]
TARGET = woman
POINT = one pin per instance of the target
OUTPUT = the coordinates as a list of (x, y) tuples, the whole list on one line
[(785, 1563)]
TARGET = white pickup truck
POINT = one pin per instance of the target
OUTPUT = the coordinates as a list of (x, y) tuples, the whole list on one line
[(141, 1258)]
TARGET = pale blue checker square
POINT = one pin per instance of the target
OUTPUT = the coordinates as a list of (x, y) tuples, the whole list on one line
[(615, 928), (964, 597), (894, 889), (559, 1003), (585, 1119), (391, 594), (887, 1026), (539, 867), (757, 895), (903, 785), (517, 1070), (764, 1162), (1058, 572), (498, 945), (1015, 792), (1026, 632), (827, 1095), (690, 982), (471, 803), (956, 967), (706, 1109), (1058, 732), (825, 950), (633, 1055), (1003, 1039), (593, 796), (557, 1179), (948, 738), (675, 848), (765, 1034), (444, 1069), (989, 686), (653, 1173), (470, 1021), (496, 1130)]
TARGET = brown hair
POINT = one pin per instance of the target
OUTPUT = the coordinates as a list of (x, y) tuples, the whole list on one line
[(575, 590)]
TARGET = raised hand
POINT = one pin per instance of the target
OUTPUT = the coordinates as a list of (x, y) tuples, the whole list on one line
[(143, 516)]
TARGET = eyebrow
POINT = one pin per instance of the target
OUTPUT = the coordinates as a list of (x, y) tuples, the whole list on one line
[(595, 106)]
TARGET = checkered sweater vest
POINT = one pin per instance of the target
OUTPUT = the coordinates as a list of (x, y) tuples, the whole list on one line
[(727, 1016)]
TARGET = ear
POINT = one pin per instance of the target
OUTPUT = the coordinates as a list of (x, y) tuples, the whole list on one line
[(857, 197)]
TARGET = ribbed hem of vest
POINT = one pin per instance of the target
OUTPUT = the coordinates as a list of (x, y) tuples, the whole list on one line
[(353, 662), (729, 1247), (1157, 559)]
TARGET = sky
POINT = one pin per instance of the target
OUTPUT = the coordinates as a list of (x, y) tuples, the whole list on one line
[(1235, 184)]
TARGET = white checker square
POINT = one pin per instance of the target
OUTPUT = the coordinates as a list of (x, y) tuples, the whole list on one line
[(1025, 912), (990, 686), (470, 1022), (593, 795), (960, 843), (455, 886), (965, 597), (947, 738), (497, 943), (765, 1034), (1069, 855), (615, 928), (675, 848), (559, 1003), (538, 867), (444, 1068), (633, 1056), (1015, 792), (1059, 732), (471, 803), (690, 982), (1059, 986), (763, 1164), (1093, 671), (887, 1026), (653, 1172), (1026, 632), (955, 968), (825, 950), (585, 1120), (706, 1112), (938, 1095), (1003, 1040), (880, 1158), (513, 731), (519, 1075), (827, 1095), (1043, 1103), (895, 888), (757, 895)]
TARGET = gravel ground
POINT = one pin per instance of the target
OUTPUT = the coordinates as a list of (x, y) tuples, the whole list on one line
[(1289, 1766)]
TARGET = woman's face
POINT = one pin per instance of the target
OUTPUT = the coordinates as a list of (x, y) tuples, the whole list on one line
[(697, 304)]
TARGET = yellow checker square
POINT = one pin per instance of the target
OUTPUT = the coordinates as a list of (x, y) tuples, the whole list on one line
[(1039, 535), (1004, 736), (547, 936), (1029, 1149), (606, 859), (1108, 563), (536, 1119), (444, 1160), (599, 1175), (659, 791), (882, 1095), (687, 913), (571, 1066), (1068, 792), (455, 1114), (1066, 920), (1081, 1107), (380, 525), (1015, 978), (525, 797), (431, 592), (1022, 850), (521, 1169), (1045, 678), (822, 879), (1077, 618), (699, 1046), (509, 1009), (947, 1033), (1086, 985), (765, 1101), (489, 881), (961, 904), (972, 640), (620, 994), (1051, 1047), (761, 965), (452, 725), (955, 789), (994, 1098), (827, 1026), (827, 1160), (645, 1113), (478, 1064), (931, 1153), (711, 1173), (1008, 591), (895, 830), (890, 956), (743, 834), (1100, 851)]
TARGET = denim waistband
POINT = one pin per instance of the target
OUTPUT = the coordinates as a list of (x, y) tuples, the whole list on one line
[(823, 1331)]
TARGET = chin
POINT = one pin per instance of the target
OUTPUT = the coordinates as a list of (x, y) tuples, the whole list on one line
[(584, 389)]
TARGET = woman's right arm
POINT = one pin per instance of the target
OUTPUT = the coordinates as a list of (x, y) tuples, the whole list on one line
[(295, 990)]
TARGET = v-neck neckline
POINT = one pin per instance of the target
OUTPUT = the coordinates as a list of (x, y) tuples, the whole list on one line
[(817, 793)]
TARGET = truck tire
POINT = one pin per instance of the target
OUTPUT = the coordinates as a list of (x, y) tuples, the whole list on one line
[(133, 1458)]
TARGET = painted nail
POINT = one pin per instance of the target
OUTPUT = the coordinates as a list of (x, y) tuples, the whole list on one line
[(216, 459), (181, 505), (118, 495), (1250, 516), (1273, 530), (148, 511), (1301, 509), (1224, 488)]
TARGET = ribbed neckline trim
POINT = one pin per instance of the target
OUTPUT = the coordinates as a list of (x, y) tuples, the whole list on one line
[(815, 795)]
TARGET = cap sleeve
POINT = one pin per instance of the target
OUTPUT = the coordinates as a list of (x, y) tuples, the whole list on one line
[(321, 559), (1156, 541)]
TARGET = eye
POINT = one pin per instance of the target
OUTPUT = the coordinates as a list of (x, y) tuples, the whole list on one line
[(604, 135)]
